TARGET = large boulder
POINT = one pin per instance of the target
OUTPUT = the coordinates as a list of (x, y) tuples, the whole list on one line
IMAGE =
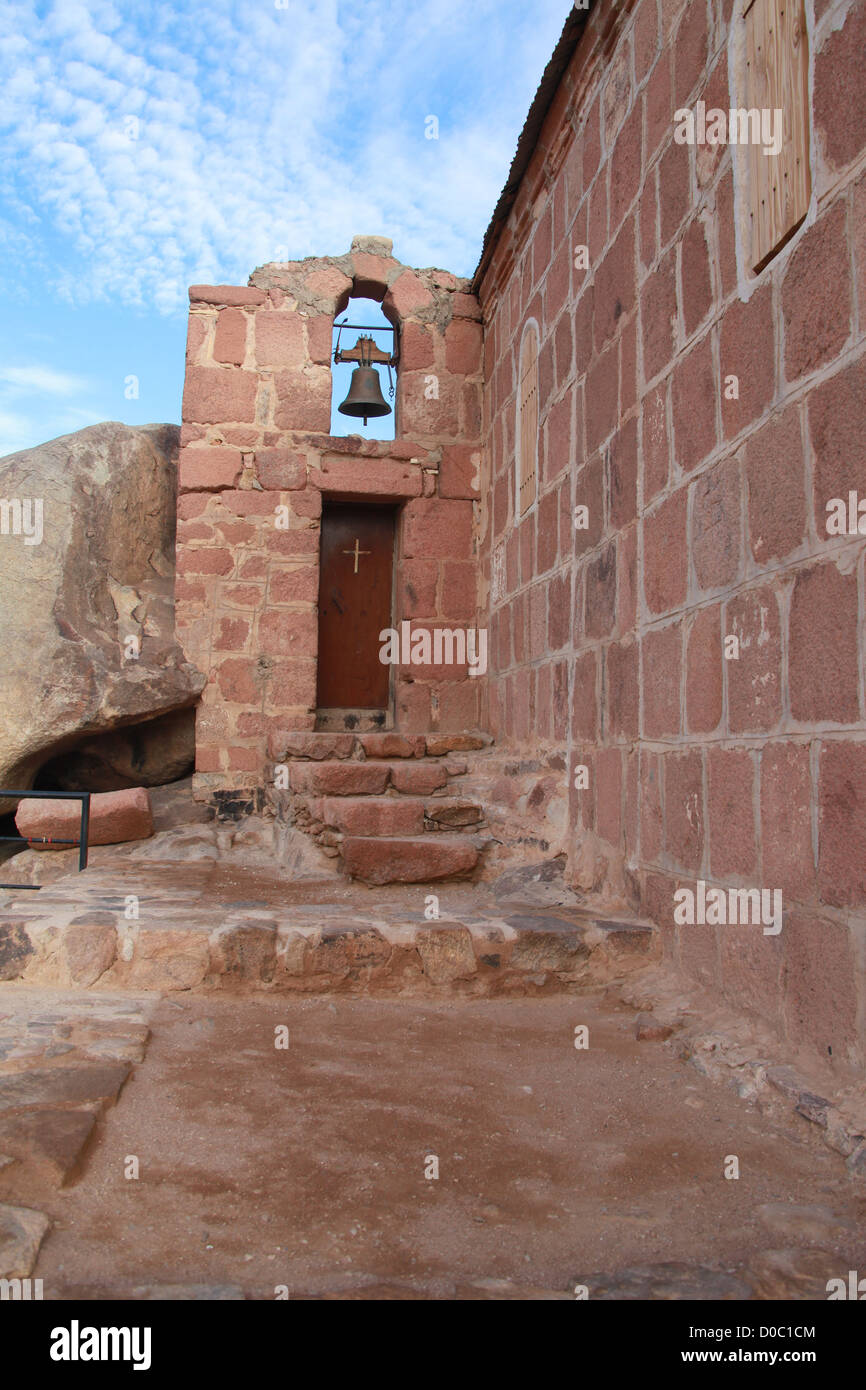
[(81, 588)]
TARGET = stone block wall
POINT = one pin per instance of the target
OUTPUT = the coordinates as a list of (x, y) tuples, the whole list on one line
[(707, 513), (255, 438)]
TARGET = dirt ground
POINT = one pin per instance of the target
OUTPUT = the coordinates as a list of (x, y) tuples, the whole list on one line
[(267, 1171)]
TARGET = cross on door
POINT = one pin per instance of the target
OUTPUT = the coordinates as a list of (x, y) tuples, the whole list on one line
[(357, 553)]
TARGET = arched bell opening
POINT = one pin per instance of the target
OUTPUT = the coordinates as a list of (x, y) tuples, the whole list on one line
[(364, 349)]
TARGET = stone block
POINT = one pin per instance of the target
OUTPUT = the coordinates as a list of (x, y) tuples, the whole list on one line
[(666, 553), (823, 636), (776, 488), (89, 949), (436, 529), (392, 745), (219, 395), (169, 961), (662, 663), (280, 470), (695, 392), (280, 339), (717, 525), (230, 338), (373, 815), (755, 676), (839, 100), (16, 949), (446, 954), (704, 671), (684, 809), (114, 818), (232, 295), (245, 951), (208, 469), (368, 476), (788, 860), (284, 743), (422, 859), (730, 811), (842, 825), (747, 351), (339, 778), (417, 779)]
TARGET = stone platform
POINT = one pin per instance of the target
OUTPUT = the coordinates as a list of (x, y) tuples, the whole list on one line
[(167, 926)]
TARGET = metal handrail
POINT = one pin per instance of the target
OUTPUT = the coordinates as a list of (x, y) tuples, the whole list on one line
[(83, 797)]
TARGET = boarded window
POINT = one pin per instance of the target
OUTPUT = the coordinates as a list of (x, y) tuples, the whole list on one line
[(527, 420), (777, 81)]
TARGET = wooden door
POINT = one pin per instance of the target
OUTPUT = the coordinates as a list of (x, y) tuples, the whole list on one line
[(355, 586)]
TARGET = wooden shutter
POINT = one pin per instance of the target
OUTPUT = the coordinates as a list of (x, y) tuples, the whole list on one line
[(777, 78), (527, 397)]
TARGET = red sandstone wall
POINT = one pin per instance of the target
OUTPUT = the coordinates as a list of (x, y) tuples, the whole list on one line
[(256, 415), (707, 515)]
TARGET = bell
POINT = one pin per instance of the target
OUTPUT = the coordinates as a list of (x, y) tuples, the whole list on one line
[(365, 397)]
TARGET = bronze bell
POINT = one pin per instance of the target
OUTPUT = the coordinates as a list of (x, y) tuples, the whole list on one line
[(365, 398)]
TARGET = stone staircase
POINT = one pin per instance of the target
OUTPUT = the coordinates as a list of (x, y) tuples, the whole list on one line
[(386, 804)]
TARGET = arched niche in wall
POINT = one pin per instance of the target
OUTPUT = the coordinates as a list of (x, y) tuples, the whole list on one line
[(361, 311)]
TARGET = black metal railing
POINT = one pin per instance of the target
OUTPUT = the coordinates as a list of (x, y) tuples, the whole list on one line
[(83, 797)]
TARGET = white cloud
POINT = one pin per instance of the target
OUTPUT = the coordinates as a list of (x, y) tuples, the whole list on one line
[(39, 402), (259, 128), (44, 380)]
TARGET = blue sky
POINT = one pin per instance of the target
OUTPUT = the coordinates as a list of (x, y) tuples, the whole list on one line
[(149, 146)]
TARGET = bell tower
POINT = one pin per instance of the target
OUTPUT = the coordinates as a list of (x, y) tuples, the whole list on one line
[(299, 551)]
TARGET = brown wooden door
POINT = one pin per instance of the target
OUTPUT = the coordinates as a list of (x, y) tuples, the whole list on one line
[(355, 585)]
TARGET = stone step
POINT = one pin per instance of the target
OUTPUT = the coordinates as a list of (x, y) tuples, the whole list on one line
[(374, 815), (339, 779), (415, 859), (392, 745), (439, 745), (285, 745), (376, 799), (415, 777), (451, 813), (194, 935), (395, 815)]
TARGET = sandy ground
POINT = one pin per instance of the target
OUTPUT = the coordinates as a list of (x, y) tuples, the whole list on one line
[(305, 1167)]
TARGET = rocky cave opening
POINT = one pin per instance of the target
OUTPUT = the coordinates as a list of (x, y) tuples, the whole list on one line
[(147, 754)]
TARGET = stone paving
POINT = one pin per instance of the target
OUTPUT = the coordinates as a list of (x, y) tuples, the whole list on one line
[(305, 1170), (406, 1038), (64, 1059)]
